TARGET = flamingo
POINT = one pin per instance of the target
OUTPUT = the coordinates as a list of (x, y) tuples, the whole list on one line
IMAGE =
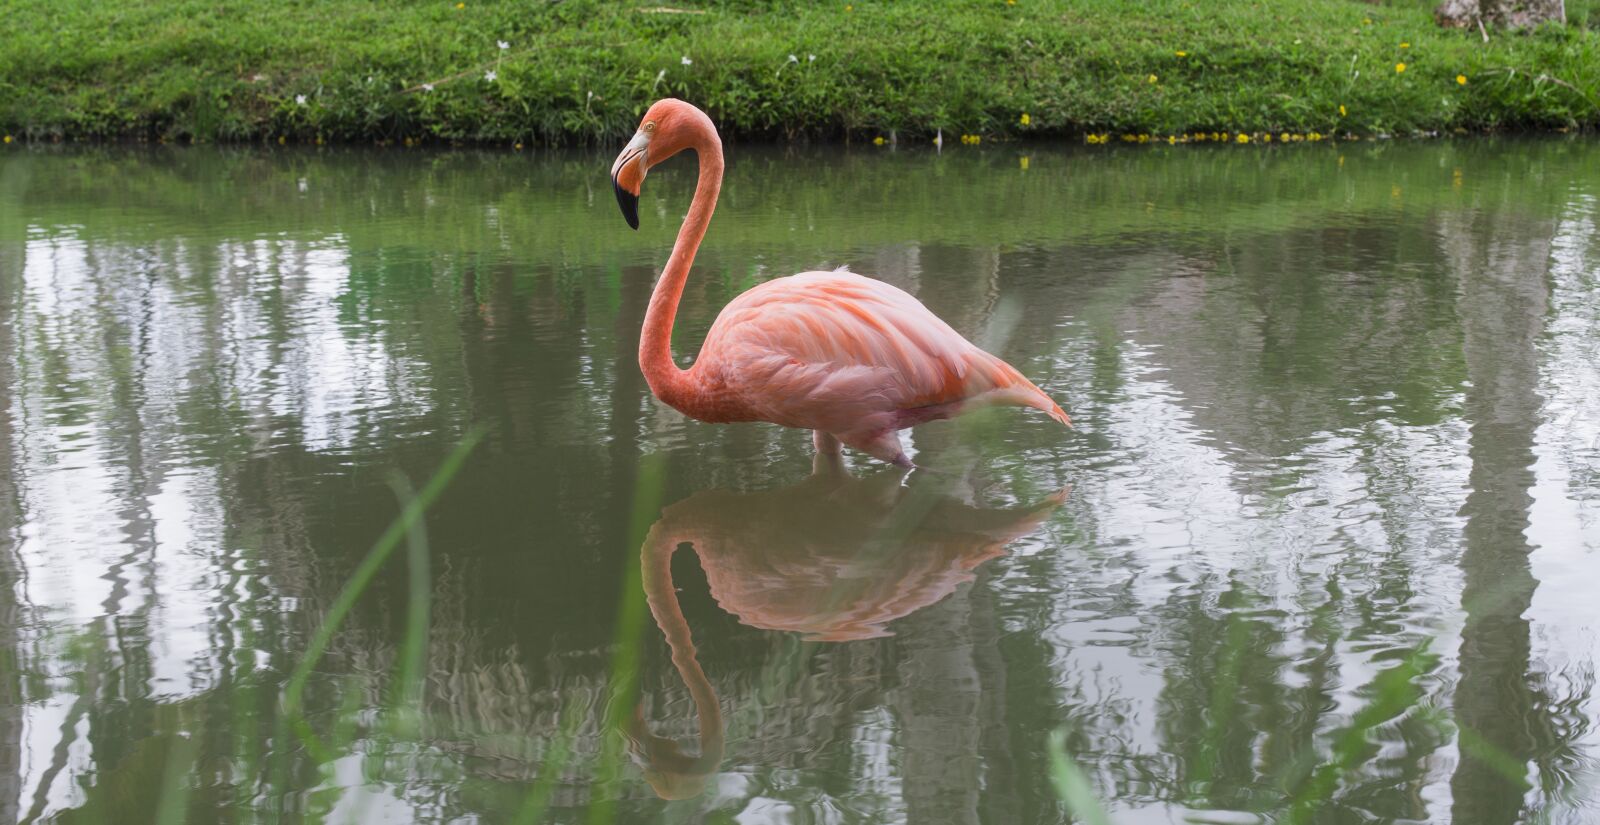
[(853, 359)]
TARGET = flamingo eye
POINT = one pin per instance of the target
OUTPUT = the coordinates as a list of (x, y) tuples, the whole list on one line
[(650, 126)]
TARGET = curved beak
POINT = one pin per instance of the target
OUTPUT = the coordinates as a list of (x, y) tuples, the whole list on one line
[(626, 175)]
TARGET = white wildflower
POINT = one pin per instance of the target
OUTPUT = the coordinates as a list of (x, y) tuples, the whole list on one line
[(811, 58), (793, 59), (299, 100), (502, 44), (490, 75), (686, 61), (427, 87)]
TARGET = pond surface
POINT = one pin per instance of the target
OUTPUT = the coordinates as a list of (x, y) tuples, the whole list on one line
[(1322, 548)]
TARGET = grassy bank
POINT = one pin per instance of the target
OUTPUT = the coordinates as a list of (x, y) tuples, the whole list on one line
[(573, 71)]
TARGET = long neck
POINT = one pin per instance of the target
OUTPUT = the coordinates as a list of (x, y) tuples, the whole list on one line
[(670, 384), (673, 772)]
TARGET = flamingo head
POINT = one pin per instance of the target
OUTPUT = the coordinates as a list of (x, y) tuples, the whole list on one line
[(667, 128)]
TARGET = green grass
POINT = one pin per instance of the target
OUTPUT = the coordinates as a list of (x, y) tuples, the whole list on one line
[(582, 71)]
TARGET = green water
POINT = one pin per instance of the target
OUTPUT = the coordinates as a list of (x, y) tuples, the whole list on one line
[(1321, 549)]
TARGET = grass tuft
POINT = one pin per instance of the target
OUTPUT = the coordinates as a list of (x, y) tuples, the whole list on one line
[(582, 71)]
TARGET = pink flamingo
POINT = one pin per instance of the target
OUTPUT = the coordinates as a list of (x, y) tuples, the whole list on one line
[(850, 358)]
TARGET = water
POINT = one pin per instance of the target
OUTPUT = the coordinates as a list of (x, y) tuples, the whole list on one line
[(1321, 548)]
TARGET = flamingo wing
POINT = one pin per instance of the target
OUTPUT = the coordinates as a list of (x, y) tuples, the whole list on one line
[(843, 353)]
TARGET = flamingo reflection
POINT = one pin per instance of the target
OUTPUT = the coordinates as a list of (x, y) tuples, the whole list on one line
[(834, 558)]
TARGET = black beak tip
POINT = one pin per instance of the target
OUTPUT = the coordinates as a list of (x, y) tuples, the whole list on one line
[(629, 203)]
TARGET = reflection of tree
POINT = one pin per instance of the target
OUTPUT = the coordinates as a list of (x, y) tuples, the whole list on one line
[(1502, 261), (13, 257)]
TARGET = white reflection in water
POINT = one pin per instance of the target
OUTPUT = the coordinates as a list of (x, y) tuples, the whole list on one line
[(113, 341)]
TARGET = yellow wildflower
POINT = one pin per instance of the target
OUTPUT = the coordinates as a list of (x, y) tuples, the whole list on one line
[(1144, 138), (1399, 68), (1025, 119), (1171, 140), (1461, 79), (1366, 21), (1023, 161), (1153, 78), (1267, 138), (1341, 110), (1244, 138), (1314, 136), (1181, 54), (849, 7), (460, 6), (1284, 137), (877, 141), (1405, 45), (8, 138), (281, 140), (517, 146)]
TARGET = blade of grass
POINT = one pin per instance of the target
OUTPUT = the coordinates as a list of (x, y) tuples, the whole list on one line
[(1072, 786), (407, 696), (384, 547), (173, 807), (631, 612), (555, 761)]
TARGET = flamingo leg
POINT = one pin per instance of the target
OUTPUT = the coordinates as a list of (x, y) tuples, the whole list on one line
[(829, 460)]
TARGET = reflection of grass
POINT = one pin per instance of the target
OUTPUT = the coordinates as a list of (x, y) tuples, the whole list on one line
[(1393, 693)]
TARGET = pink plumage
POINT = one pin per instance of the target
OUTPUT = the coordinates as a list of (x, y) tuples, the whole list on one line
[(851, 358)]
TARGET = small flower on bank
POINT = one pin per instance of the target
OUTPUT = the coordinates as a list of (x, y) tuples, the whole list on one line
[(1342, 112), (460, 6), (8, 139), (685, 60), (490, 75), (1405, 45), (1244, 138), (299, 100), (1181, 53), (1023, 162), (427, 87), (849, 7), (793, 59), (1153, 78), (503, 45), (1399, 68), (811, 58), (1025, 120), (1461, 79), (1366, 21)]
